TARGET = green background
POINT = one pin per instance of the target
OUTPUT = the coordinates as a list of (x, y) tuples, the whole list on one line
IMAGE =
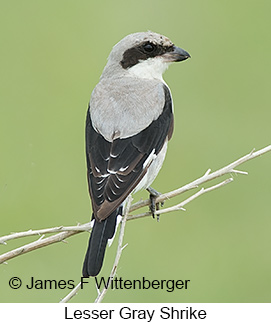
[(52, 54)]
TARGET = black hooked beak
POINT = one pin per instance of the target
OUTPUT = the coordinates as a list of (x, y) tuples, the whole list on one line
[(176, 55)]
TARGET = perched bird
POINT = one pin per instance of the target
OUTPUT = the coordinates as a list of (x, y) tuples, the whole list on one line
[(128, 125)]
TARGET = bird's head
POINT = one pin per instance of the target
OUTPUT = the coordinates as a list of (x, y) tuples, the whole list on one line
[(143, 55)]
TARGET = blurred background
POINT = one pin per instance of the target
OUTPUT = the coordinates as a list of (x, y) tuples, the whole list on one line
[(52, 54)]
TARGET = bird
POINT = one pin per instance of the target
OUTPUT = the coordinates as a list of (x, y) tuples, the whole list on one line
[(128, 125)]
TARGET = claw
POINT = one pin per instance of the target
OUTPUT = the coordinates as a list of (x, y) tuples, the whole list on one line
[(154, 206)]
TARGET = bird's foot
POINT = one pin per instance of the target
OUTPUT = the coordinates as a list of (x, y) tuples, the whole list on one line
[(154, 206)]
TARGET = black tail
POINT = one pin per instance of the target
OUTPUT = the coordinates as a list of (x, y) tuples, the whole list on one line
[(101, 232)]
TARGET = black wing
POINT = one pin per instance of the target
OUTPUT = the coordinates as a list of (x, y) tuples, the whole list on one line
[(115, 168)]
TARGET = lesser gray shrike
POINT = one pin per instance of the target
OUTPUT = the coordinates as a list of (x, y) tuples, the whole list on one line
[(128, 125)]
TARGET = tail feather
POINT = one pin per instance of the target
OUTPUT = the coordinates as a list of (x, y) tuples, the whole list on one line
[(100, 234)]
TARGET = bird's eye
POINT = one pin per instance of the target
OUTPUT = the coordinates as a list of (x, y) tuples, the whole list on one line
[(149, 47)]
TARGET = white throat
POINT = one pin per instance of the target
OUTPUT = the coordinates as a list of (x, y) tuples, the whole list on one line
[(152, 68)]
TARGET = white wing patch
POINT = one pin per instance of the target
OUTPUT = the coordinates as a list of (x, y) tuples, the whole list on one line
[(151, 157)]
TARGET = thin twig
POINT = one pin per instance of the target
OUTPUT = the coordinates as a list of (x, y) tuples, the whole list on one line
[(194, 196), (36, 245), (16, 235), (71, 293), (181, 205), (208, 176)]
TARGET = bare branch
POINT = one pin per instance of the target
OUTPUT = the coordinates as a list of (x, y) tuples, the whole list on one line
[(181, 205), (36, 245), (71, 294), (16, 235), (208, 176), (194, 196)]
